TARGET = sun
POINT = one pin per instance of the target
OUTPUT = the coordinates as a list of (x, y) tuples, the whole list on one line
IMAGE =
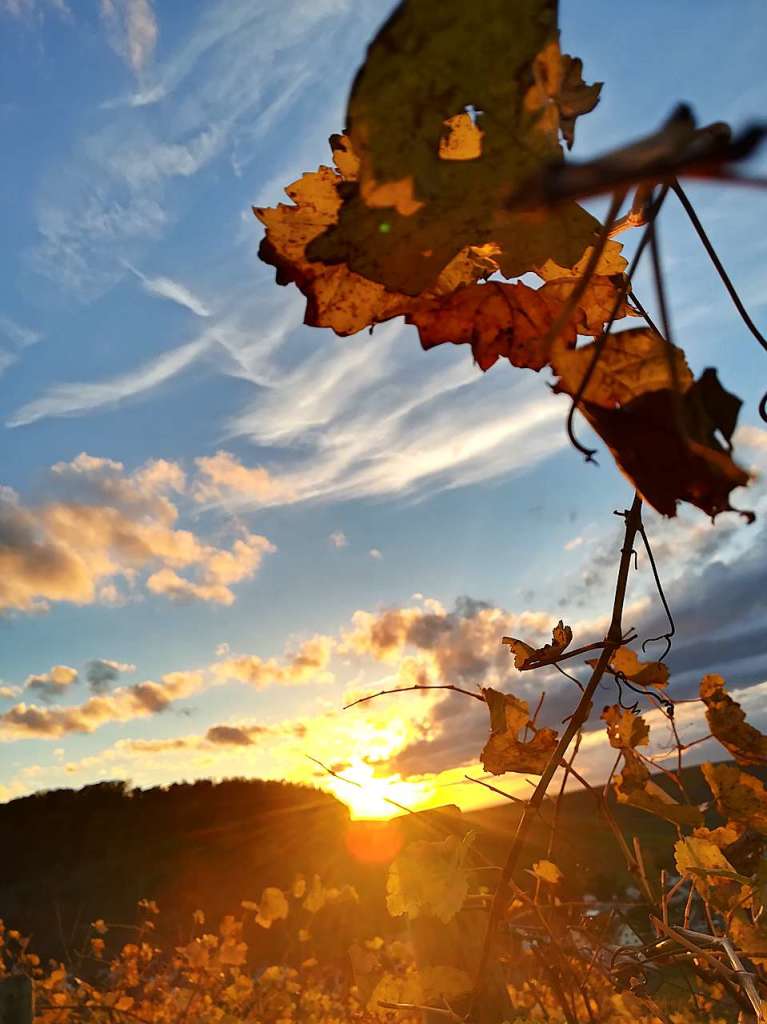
[(368, 796)]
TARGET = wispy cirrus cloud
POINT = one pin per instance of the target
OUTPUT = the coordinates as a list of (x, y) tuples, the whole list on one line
[(131, 29), (83, 397), (167, 288)]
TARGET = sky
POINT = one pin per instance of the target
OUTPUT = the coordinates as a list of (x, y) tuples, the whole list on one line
[(218, 526)]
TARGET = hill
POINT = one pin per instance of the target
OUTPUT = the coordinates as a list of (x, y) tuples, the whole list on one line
[(71, 857)]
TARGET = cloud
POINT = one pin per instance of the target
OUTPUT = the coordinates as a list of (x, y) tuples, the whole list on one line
[(100, 673), (307, 665), (52, 684), (338, 539), (30, 8), (222, 476), (110, 525), (19, 335), (28, 721), (132, 29), (174, 291), (233, 736), (7, 692), (219, 569), (376, 554), (82, 397)]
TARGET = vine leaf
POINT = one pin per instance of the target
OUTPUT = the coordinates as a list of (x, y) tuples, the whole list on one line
[(666, 444), (573, 96), (337, 297), (631, 363), (635, 787), (272, 907), (430, 985), (428, 184), (625, 729), (740, 798), (643, 673), (504, 751), (526, 656), (547, 871), (700, 859), (429, 878), (513, 320), (728, 724)]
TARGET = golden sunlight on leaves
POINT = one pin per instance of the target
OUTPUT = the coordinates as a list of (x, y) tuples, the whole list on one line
[(701, 860), (643, 673), (727, 722), (429, 878), (504, 751)]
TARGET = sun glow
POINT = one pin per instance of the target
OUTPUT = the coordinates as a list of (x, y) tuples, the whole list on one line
[(368, 796)]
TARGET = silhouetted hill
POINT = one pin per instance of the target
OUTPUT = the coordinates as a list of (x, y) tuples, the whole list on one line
[(69, 857)]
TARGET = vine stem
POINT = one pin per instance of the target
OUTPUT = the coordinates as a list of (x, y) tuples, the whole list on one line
[(633, 522)]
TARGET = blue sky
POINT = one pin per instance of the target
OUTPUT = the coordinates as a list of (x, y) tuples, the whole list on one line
[(137, 325)]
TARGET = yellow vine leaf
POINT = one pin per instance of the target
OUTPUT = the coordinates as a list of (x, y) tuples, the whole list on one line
[(700, 859), (727, 722), (740, 798), (524, 654), (635, 787), (625, 729), (429, 985), (272, 907), (428, 184), (504, 750), (610, 262), (547, 871), (429, 878)]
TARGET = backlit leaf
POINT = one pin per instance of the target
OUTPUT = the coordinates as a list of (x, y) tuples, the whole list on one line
[(429, 878), (635, 787), (631, 363), (666, 445), (740, 797), (625, 729), (272, 907), (643, 673), (525, 655), (700, 859), (727, 722), (504, 750), (547, 871), (429, 185)]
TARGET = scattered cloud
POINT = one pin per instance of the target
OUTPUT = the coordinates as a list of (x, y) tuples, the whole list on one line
[(132, 30), (100, 673), (109, 525), (376, 554), (33, 8), (223, 477), (28, 721), (307, 665), (571, 545), (18, 334), (8, 692), (52, 684), (338, 539)]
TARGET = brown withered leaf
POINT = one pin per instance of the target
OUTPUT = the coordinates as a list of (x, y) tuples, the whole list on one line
[(496, 319), (526, 656), (428, 184), (624, 728), (336, 296), (635, 787), (666, 444), (740, 797), (610, 262), (513, 320), (574, 97), (631, 363), (727, 722), (504, 751), (643, 673), (593, 308)]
